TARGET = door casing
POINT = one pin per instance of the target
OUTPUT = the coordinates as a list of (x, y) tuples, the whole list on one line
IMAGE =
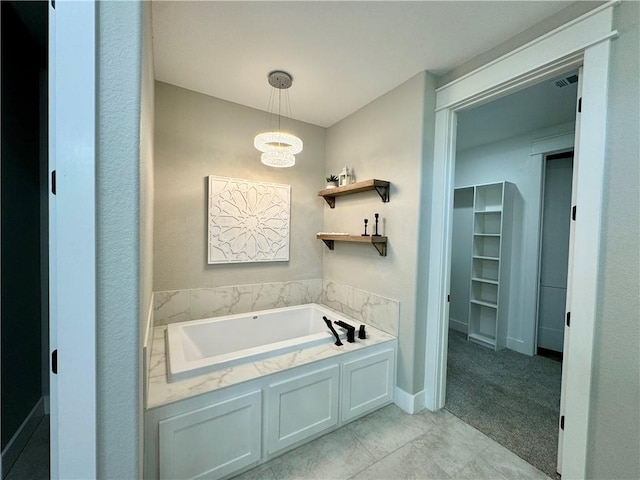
[(585, 42), (72, 237)]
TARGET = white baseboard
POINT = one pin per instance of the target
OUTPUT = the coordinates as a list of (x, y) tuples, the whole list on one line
[(21, 437), (518, 346), (407, 402), (458, 326)]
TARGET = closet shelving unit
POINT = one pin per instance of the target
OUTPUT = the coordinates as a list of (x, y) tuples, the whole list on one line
[(490, 264)]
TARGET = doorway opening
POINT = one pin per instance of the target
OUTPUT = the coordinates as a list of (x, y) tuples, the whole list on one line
[(503, 184), (24, 236), (554, 254)]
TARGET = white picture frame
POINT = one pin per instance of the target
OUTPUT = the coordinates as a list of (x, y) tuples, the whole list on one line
[(248, 221)]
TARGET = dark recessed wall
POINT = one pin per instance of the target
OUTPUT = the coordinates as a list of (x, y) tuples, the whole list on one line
[(21, 316)]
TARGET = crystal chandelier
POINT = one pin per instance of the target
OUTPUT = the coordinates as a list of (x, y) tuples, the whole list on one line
[(278, 147)]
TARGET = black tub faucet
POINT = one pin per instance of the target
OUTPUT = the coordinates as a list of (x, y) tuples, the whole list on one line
[(333, 330), (351, 330)]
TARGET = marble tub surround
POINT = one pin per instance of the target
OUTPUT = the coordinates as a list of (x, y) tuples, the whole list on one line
[(381, 312), (161, 392), (194, 304)]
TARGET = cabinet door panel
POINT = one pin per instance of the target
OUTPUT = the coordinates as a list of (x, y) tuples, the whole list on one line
[(302, 407), (212, 441), (367, 383)]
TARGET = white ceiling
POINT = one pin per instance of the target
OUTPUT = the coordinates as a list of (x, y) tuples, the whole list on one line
[(342, 55)]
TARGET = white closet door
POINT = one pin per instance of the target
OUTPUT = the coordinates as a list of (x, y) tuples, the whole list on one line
[(555, 253)]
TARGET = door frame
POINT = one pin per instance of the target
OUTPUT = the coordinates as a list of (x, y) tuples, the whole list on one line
[(72, 237), (563, 143), (584, 41)]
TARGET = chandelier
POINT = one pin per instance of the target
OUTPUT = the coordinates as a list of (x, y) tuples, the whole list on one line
[(278, 148)]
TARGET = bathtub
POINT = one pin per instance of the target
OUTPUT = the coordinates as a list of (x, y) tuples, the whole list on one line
[(202, 346)]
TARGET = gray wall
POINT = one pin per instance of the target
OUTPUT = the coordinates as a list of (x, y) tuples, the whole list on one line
[(384, 140), (119, 385), (196, 136), (614, 437)]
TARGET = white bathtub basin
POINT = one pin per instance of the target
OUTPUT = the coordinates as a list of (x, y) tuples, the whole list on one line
[(202, 346)]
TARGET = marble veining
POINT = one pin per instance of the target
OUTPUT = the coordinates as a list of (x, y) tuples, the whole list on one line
[(381, 312), (216, 302), (311, 291), (161, 392), (172, 306), (194, 304), (276, 295)]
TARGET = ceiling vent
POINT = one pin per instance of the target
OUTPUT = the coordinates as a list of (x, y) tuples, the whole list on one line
[(566, 81)]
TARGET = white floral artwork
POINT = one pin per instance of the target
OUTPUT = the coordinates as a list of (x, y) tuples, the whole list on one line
[(248, 221)]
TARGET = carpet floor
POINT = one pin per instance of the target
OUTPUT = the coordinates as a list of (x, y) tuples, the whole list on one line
[(512, 398)]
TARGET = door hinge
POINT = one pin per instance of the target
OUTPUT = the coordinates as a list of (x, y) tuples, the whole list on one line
[(54, 361), (449, 298), (568, 319), (573, 213), (53, 182), (580, 105), (562, 422)]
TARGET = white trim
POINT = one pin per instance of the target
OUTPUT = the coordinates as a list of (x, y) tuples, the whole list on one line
[(540, 148), (149, 324), (586, 258), (440, 260), (518, 345), (407, 402), (588, 38), (146, 347), (541, 74), (458, 326), (72, 121), (553, 143), (17, 443)]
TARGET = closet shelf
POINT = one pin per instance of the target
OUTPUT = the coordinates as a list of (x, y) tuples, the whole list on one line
[(490, 210), (480, 257), (484, 304), (485, 280), (483, 339), (380, 186), (380, 243)]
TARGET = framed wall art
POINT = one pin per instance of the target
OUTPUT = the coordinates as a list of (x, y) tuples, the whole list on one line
[(248, 221)]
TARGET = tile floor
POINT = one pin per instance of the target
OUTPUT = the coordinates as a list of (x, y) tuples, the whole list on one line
[(33, 462), (387, 444), (390, 444)]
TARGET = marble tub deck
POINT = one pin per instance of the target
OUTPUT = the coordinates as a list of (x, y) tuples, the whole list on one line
[(162, 392)]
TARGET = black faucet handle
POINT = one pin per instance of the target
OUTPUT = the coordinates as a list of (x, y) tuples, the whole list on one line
[(333, 330), (361, 333), (351, 330)]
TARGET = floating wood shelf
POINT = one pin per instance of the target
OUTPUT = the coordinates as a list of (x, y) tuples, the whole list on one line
[(380, 186), (380, 243)]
